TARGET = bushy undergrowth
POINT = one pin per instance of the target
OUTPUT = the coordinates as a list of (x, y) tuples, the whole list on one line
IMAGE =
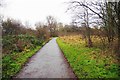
[(88, 62), (19, 43), (16, 51)]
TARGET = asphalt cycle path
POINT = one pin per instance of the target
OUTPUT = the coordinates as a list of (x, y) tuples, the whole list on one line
[(48, 62)]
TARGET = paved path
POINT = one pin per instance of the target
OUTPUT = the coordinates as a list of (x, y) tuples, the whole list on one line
[(48, 62)]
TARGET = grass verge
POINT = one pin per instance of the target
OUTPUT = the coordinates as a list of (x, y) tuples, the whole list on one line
[(88, 62), (12, 63)]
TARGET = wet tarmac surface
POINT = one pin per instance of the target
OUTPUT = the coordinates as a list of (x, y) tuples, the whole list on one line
[(48, 62)]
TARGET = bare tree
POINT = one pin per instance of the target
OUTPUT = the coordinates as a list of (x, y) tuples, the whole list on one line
[(42, 31), (52, 25), (84, 15), (108, 12)]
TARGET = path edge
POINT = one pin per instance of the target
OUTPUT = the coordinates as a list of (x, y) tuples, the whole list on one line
[(66, 60)]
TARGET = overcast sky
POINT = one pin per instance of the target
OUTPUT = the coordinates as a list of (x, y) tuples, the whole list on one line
[(33, 11), (36, 10)]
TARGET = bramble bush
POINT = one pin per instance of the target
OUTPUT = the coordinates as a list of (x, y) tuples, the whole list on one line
[(19, 43)]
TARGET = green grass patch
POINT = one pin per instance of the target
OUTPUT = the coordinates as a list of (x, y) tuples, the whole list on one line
[(12, 63), (88, 62), (16, 52)]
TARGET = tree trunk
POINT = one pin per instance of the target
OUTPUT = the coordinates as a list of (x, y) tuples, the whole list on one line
[(88, 30), (119, 28), (89, 41)]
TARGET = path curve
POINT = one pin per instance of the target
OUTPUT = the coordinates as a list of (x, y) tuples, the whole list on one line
[(48, 62)]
